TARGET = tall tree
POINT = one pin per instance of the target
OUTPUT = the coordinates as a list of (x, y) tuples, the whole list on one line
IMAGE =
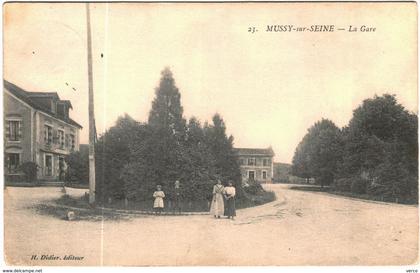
[(112, 154), (166, 112), (381, 144), (301, 164), (160, 157), (318, 153), (134, 159), (200, 169), (221, 147)]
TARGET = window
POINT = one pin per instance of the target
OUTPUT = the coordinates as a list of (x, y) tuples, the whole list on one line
[(14, 131), (251, 175), (12, 162), (53, 106), (241, 162), (251, 161), (264, 175), (266, 162), (72, 142), (48, 165), (48, 134), (61, 139)]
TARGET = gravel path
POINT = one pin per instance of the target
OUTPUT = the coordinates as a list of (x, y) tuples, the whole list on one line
[(299, 228)]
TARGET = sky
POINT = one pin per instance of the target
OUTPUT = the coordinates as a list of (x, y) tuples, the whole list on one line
[(269, 87)]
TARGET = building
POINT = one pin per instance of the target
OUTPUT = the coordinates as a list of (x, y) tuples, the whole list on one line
[(256, 164), (38, 129)]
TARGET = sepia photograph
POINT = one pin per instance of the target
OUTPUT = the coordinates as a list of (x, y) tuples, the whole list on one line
[(210, 134)]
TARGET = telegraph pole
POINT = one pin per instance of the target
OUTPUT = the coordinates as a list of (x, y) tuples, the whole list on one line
[(91, 113)]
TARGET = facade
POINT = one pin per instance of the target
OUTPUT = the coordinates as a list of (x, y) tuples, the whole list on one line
[(256, 164), (37, 129)]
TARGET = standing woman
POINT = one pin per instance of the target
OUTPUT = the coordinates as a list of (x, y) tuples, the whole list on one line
[(217, 207), (158, 195), (230, 193)]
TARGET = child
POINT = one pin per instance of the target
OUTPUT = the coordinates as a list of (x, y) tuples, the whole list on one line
[(158, 195)]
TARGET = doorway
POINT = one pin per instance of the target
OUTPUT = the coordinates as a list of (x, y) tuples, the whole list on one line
[(48, 165)]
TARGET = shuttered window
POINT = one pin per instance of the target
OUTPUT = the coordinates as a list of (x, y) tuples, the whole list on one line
[(12, 162), (264, 175), (48, 134), (72, 142), (265, 162), (13, 130), (251, 161), (61, 139)]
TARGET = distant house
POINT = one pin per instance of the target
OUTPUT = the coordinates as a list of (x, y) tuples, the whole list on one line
[(38, 129), (256, 164)]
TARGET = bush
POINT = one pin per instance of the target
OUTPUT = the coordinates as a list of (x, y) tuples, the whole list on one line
[(30, 170), (254, 188), (78, 167), (393, 181), (358, 185)]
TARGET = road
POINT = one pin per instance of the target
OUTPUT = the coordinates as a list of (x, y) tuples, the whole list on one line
[(299, 228)]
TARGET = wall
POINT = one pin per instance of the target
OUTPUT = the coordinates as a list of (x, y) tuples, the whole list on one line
[(54, 149), (15, 109)]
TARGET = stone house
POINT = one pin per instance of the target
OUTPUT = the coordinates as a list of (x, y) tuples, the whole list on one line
[(37, 128), (256, 164)]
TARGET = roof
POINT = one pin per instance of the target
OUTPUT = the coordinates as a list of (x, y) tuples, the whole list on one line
[(43, 95), (254, 151), (66, 102), (26, 97)]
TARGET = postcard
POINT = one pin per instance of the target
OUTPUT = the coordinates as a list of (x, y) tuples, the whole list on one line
[(210, 134)]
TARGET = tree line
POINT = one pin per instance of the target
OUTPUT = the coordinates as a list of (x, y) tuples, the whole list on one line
[(133, 157), (375, 154)]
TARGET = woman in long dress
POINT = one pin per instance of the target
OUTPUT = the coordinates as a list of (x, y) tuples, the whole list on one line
[(217, 207), (230, 193)]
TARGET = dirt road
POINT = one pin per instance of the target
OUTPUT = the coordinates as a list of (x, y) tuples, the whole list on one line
[(299, 228)]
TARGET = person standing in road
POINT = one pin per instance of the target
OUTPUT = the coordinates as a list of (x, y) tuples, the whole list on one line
[(230, 194), (217, 204)]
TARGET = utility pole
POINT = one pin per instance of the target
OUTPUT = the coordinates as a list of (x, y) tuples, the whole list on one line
[(91, 113)]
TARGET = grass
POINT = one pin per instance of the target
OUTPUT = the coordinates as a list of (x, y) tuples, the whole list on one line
[(84, 211), (195, 205), (248, 200)]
